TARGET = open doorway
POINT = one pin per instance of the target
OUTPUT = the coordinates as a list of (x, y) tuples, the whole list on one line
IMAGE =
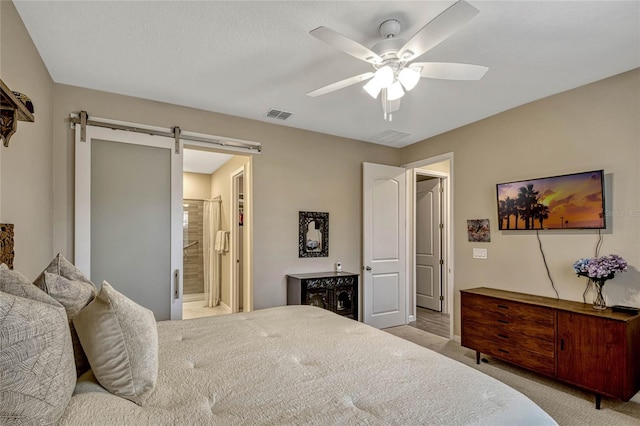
[(431, 251), (209, 231), (429, 242), (237, 242)]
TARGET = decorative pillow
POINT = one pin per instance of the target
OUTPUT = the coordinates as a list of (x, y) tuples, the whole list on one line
[(37, 371), (66, 284), (120, 339), (61, 266), (87, 383)]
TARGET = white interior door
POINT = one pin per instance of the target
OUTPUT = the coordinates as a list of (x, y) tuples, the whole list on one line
[(384, 239), (428, 244), (128, 216)]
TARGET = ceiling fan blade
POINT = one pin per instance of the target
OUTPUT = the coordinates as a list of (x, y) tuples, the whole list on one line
[(345, 44), (437, 30), (340, 84), (450, 70)]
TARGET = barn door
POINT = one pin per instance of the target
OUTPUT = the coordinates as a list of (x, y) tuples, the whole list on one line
[(128, 216)]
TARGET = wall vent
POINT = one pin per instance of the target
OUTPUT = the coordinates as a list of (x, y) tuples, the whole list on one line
[(389, 137), (277, 114)]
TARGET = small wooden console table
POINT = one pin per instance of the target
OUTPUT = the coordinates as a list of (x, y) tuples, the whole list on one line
[(334, 291)]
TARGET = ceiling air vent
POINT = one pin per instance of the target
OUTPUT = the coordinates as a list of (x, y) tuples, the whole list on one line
[(388, 137), (280, 115)]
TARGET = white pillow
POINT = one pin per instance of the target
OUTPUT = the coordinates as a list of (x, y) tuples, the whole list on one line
[(66, 284), (37, 369), (73, 290), (120, 339)]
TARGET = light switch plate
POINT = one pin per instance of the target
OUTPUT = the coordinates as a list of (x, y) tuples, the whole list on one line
[(479, 253)]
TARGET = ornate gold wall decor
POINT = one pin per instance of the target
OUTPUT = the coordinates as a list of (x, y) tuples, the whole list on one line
[(14, 106), (6, 244)]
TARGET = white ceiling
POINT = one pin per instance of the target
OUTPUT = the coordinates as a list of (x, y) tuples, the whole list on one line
[(244, 58), (198, 161)]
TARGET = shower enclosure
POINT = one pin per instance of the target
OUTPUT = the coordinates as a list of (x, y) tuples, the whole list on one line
[(201, 264), (193, 260)]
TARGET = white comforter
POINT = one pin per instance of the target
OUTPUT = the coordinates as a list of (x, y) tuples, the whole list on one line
[(302, 365)]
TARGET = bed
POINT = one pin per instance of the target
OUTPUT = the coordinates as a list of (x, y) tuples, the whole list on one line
[(301, 365), (73, 355)]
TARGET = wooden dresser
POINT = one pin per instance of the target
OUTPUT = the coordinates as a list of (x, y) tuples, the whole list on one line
[(334, 291), (598, 351)]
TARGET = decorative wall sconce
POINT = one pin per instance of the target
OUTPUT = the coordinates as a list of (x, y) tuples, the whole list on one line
[(6, 244), (14, 107)]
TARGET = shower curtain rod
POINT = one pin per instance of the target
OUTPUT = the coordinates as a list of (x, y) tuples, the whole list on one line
[(201, 140)]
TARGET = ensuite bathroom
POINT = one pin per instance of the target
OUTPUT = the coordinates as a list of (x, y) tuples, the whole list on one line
[(212, 223)]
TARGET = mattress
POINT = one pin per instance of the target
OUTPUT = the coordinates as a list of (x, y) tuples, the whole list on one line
[(296, 365)]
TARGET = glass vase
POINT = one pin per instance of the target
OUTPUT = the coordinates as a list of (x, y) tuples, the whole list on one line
[(598, 299)]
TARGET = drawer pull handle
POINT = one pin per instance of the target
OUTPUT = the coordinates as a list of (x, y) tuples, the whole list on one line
[(503, 321), (562, 344), (503, 350), (504, 336), (503, 307)]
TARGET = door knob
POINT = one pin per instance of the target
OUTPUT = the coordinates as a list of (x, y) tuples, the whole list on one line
[(368, 268)]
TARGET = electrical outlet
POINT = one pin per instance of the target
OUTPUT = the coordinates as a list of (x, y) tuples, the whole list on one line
[(479, 253)]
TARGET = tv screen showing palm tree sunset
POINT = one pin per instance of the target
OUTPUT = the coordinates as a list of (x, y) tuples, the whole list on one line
[(574, 201)]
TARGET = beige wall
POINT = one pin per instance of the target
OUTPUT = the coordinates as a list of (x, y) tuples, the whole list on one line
[(441, 167), (26, 165), (196, 186), (297, 170), (221, 185), (591, 127)]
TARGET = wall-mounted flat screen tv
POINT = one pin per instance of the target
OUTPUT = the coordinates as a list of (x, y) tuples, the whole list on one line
[(574, 201)]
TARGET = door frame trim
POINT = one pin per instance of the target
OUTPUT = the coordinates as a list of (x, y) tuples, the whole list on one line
[(233, 250), (448, 275), (442, 177), (247, 238)]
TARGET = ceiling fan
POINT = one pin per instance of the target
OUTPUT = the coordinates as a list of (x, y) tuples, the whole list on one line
[(391, 58)]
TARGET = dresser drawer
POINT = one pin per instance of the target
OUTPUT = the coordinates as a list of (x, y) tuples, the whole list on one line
[(511, 353), (497, 337), (509, 324), (506, 309)]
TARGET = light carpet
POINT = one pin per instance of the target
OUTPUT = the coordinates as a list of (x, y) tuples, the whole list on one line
[(567, 405)]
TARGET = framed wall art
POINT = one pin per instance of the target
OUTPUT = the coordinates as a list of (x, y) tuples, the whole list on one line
[(478, 230)]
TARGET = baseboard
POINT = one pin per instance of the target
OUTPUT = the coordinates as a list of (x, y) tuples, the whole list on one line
[(195, 297), (457, 338), (225, 306)]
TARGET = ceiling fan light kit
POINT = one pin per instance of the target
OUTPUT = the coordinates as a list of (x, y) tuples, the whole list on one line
[(383, 78), (391, 57), (372, 88), (395, 91), (409, 77)]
